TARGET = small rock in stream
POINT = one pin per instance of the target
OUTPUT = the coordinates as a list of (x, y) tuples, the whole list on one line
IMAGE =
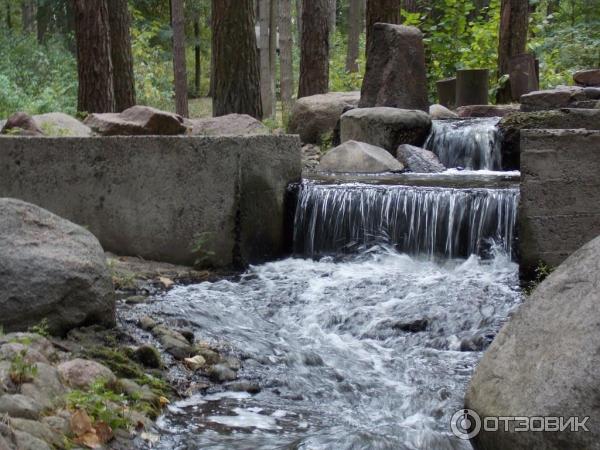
[(147, 323), (244, 386), (148, 356), (221, 373)]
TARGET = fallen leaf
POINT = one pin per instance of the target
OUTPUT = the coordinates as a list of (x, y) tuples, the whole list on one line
[(89, 439), (103, 431), (164, 401), (81, 423)]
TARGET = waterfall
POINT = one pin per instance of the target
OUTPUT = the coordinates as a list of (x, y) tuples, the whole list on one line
[(471, 143), (447, 222)]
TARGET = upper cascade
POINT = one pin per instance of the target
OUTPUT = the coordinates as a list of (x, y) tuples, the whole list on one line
[(473, 144)]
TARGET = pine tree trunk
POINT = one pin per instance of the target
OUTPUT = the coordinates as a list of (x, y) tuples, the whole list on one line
[(121, 54), (264, 10), (286, 44), (179, 66), (28, 15), (8, 15), (299, 4), (43, 15), (273, 55), (355, 26), (94, 64), (236, 72), (314, 48), (384, 11), (197, 61), (332, 22), (514, 22), (410, 6)]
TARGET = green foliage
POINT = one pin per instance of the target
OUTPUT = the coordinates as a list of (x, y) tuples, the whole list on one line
[(22, 371), (41, 328), (199, 247), (542, 271), (102, 404), (340, 80), (36, 78)]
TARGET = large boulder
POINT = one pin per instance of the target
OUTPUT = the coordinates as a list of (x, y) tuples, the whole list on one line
[(486, 110), (229, 125), (545, 361), (50, 269), (60, 124), (137, 120), (561, 97), (438, 112), (21, 124), (590, 77), (419, 160), (316, 116), (358, 157), (386, 127), (512, 124), (395, 75)]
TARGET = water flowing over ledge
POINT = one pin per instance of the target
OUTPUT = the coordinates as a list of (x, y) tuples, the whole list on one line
[(435, 221), (472, 143)]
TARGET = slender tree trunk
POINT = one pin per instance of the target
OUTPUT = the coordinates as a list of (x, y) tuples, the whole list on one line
[(121, 54), (410, 6), (264, 10), (355, 26), (237, 78), (274, 11), (197, 61), (8, 15), (94, 64), (385, 11), (28, 15), (43, 15), (314, 49), (514, 22), (299, 4), (286, 44), (332, 22), (179, 67)]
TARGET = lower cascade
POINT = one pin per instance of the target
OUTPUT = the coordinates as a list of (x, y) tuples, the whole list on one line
[(469, 143), (435, 221)]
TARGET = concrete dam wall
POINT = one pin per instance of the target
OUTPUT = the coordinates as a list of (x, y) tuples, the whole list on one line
[(216, 200)]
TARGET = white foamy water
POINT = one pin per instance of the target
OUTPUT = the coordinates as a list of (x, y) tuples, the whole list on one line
[(356, 353)]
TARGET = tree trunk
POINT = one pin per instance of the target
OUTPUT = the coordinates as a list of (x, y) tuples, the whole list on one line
[(410, 6), (286, 44), (237, 79), (121, 54), (314, 48), (332, 21), (273, 53), (355, 26), (299, 4), (197, 61), (385, 11), (514, 22), (43, 15), (179, 67), (264, 46), (94, 64), (8, 16), (28, 15)]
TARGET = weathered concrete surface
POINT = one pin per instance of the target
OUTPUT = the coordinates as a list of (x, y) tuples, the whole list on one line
[(157, 197), (560, 194)]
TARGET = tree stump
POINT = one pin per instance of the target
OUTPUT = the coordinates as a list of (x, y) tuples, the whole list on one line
[(472, 87), (523, 75), (446, 90)]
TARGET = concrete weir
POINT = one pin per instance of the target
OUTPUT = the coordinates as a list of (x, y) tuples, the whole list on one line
[(220, 200), (560, 194)]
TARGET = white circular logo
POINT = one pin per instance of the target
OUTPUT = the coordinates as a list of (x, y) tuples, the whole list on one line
[(465, 424)]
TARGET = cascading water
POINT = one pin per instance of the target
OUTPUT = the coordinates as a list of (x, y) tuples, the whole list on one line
[(469, 143), (446, 222), (370, 351)]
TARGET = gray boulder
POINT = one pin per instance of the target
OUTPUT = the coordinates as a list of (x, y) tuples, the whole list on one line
[(561, 97), (229, 125), (438, 111), (589, 77), (419, 160), (352, 156), (21, 124), (137, 120), (50, 269), (316, 116), (82, 373), (386, 127), (60, 124), (545, 361), (395, 75)]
